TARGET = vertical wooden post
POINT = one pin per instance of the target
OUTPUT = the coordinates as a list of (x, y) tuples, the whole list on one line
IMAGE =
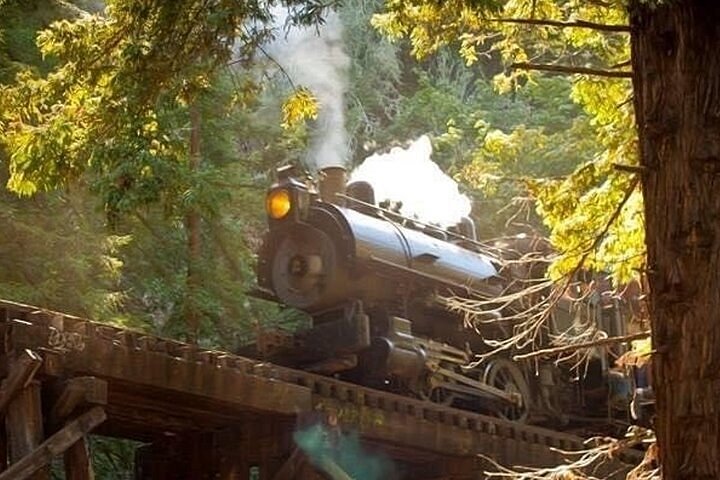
[(3, 449), (24, 425), (70, 395), (228, 460), (198, 451), (77, 462), (229, 469), (156, 461)]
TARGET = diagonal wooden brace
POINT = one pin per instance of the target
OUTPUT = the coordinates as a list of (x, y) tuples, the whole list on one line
[(55, 445)]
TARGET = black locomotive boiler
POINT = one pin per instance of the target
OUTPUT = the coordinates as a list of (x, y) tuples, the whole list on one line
[(370, 279)]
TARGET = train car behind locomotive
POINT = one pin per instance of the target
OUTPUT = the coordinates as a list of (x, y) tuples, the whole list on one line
[(370, 280)]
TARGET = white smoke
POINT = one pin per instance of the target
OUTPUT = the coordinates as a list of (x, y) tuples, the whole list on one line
[(314, 57), (411, 177)]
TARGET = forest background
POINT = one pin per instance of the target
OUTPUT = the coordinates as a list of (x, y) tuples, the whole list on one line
[(150, 231)]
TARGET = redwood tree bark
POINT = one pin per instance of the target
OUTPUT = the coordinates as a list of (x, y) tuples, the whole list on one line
[(676, 65)]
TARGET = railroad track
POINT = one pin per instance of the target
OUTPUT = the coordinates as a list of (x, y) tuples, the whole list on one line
[(208, 389)]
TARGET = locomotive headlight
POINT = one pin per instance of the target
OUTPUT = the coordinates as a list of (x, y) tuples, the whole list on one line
[(278, 204)]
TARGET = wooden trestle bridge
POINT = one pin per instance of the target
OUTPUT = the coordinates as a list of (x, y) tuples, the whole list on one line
[(212, 415)]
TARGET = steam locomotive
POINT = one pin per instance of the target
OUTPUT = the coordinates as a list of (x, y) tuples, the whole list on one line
[(373, 281)]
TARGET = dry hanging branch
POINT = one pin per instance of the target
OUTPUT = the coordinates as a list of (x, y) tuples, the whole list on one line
[(581, 462), (570, 348), (525, 304)]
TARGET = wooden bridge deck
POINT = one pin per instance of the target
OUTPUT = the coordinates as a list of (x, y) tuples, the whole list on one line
[(206, 414)]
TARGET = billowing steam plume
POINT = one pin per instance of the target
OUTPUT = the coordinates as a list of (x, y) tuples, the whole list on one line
[(411, 177), (313, 57)]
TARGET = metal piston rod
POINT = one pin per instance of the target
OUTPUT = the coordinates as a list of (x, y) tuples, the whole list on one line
[(510, 397)]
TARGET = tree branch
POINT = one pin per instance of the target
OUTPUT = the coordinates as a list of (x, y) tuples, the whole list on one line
[(565, 24), (570, 69), (629, 168), (625, 63)]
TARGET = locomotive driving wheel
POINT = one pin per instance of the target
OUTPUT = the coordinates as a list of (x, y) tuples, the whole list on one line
[(505, 375)]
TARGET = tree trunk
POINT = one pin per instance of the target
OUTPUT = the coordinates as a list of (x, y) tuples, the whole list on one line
[(192, 226), (676, 65)]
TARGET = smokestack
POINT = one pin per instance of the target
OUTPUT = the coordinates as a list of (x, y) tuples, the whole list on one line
[(332, 181)]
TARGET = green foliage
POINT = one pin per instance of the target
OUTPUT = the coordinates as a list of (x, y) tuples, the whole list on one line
[(108, 116), (573, 207), (108, 107), (224, 192), (55, 253), (112, 459), (301, 105), (20, 20), (116, 77)]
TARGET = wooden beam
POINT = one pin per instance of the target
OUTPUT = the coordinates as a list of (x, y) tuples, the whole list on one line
[(104, 358), (21, 371), (73, 394), (55, 445), (77, 462), (76, 392), (24, 425)]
